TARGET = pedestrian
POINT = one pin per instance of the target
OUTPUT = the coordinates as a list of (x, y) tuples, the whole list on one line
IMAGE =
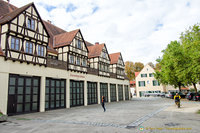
[(103, 103)]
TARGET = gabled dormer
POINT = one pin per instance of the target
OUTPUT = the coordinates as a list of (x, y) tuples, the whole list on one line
[(72, 49), (24, 37), (117, 65), (99, 59)]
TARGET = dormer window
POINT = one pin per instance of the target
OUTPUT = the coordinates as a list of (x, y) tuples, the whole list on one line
[(104, 55), (79, 44), (31, 23), (14, 43)]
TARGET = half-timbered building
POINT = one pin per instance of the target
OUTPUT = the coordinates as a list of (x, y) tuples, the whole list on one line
[(99, 59), (23, 36), (44, 67), (117, 65)]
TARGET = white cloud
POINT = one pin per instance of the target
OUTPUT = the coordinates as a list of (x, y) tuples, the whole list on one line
[(140, 29)]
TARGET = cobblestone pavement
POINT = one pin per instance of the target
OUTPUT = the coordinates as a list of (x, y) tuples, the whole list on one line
[(137, 115)]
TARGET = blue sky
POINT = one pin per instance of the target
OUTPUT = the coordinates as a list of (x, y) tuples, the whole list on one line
[(140, 29)]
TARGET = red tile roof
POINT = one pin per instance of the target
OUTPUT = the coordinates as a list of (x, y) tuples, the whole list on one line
[(88, 43), (52, 30), (114, 58), (95, 50), (64, 38), (136, 74), (11, 15), (184, 88), (132, 82), (6, 8)]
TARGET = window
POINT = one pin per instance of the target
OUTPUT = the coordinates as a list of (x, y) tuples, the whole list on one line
[(141, 83), (71, 59), (29, 47), (31, 24), (79, 44), (143, 75), (147, 81), (14, 43), (84, 62), (151, 75), (156, 83), (104, 55), (40, 50), (78, 61)]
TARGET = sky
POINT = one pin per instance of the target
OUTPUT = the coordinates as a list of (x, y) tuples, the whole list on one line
[(139, 29)]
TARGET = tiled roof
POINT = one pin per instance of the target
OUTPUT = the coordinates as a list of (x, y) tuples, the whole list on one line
[(64, 38), (8, 17), (52, 30), (114, 58), (95, 50), (88, 43), (132, 82), (136, 74), (184, 88), (6, 8)]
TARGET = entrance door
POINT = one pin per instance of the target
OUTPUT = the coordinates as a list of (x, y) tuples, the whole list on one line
[(23, 94), (76, 93), (11, 104)]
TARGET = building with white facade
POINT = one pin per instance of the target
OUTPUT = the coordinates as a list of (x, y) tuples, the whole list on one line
[(44, 67), (146, 83)]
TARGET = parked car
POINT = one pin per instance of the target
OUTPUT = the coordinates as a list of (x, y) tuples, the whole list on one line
[(196, 97), (190, 95)]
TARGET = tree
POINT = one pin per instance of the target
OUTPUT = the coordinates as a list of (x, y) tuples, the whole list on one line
[(151, 64), (157, 66), (138, 66), (190, 40), (170, 63), (129, 70)]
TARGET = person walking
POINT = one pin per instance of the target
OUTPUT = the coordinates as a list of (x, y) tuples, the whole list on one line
[(103, 103), (177, 98)]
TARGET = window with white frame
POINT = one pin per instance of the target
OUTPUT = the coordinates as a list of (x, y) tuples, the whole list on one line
[(14, 43), (40, 50), (29, 47), (141, 83), (143, 75), (156, 83)]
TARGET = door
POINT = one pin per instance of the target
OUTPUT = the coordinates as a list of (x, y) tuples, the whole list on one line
[(11, 104)]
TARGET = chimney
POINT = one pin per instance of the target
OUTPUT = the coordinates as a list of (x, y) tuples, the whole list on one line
[(96, 43), (49, 21)]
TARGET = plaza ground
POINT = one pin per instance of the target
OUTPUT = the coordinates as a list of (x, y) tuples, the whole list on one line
[(150, 114)]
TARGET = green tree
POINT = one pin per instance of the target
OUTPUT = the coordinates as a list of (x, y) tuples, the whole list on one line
[(170, 63), (129, 70), (190, 40)]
